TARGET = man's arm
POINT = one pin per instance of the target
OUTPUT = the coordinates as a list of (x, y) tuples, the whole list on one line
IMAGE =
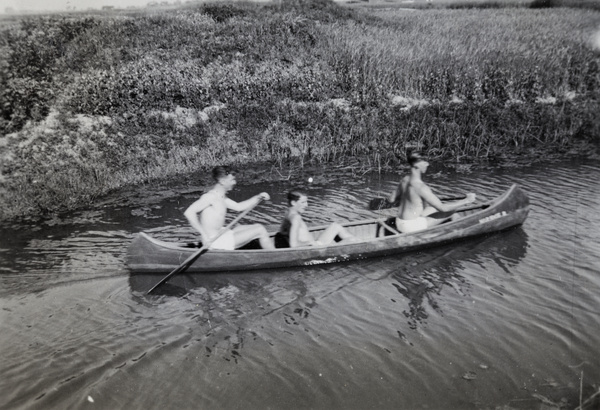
[(192, 214), (428, 196), (392, 197), (248, 203)]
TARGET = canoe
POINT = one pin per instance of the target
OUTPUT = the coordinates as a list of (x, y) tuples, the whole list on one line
[(375, 239)]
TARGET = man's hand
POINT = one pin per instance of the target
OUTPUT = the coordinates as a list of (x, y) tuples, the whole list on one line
[(264, 196)]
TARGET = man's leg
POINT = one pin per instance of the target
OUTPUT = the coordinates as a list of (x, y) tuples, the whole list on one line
[(437, 221), (333, 230), (246, 233)]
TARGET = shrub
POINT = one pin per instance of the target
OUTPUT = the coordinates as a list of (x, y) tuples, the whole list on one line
[(222, 12), (33, 54), (537, 4), (138, 87), (584, 4)]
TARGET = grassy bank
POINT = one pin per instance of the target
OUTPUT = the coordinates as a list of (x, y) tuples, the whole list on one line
[(91, 103), (476, 4)]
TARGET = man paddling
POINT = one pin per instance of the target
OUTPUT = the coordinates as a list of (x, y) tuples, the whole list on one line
[(418, 203), (207, 215)]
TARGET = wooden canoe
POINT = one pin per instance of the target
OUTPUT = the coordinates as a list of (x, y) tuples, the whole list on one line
[(149, 255)]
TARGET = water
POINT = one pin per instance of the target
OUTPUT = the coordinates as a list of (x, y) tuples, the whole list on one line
[(505, 321)]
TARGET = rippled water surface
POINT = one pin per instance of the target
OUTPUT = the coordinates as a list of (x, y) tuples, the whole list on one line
[(506, 321)]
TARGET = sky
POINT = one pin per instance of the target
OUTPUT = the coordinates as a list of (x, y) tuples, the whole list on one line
[(54, 5)]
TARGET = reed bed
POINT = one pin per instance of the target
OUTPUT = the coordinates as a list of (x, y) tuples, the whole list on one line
[(476, 55)]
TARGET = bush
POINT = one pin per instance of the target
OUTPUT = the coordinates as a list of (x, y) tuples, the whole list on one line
[(33, 55), (584, 4), (318, 10), (137, 87), (222, 12)]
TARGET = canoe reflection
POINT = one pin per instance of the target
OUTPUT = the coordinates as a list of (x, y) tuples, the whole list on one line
[(422, 277)]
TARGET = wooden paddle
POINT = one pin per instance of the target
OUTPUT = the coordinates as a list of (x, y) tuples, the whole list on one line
[(443, 215), (188, 262), (382, 203)]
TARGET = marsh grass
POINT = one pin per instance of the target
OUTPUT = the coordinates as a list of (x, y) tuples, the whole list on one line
[(478, 4), (127, 98), (478, 55)]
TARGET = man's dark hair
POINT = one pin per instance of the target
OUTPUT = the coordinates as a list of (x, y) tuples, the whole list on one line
[(414, 157), (294, 196), (220, 172)]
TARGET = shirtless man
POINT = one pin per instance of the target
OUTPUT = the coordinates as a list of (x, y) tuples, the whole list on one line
[(294, 229), (212, 207), (418, 202)]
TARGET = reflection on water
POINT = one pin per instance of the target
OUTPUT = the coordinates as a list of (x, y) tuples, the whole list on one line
[(420, 278), (503, 321)]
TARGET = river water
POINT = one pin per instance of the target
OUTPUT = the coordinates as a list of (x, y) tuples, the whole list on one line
[(506, 321)]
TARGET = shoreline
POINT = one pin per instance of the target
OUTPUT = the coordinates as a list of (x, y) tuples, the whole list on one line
[(156, 190)]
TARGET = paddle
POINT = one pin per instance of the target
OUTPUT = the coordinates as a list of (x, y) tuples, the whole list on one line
[(382, 203), (442, 215), (188, 262)]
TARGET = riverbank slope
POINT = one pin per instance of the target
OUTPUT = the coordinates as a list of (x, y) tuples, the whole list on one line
[(95, 102)]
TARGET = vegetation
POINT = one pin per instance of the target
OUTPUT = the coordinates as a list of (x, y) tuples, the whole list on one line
[(481, 4), (584, 4), (90, 103)]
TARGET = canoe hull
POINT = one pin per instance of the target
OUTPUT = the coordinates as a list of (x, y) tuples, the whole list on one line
[(148, 255)]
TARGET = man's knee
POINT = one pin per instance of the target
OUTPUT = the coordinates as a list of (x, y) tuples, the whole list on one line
[(260, 229)]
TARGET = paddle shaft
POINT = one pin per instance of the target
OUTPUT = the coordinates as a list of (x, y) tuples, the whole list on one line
[(383, 203), (188, 262), (441, 214)]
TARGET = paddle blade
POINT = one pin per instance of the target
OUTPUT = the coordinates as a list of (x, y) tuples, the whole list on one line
[(180, 268)]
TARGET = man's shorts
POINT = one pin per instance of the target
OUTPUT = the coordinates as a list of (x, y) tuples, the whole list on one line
[(411, 225), (224, 242)]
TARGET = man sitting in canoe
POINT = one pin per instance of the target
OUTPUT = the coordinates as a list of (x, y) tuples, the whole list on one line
[(212, 208), (294, 232), (418, 203)]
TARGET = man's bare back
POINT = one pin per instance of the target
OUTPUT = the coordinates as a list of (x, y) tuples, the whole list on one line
[(212, 217), (411, 203)]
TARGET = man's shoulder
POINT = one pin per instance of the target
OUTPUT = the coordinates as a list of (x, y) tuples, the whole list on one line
[(210, 195), (404, 180), (416, 183), (206, 199), (417, 187)]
